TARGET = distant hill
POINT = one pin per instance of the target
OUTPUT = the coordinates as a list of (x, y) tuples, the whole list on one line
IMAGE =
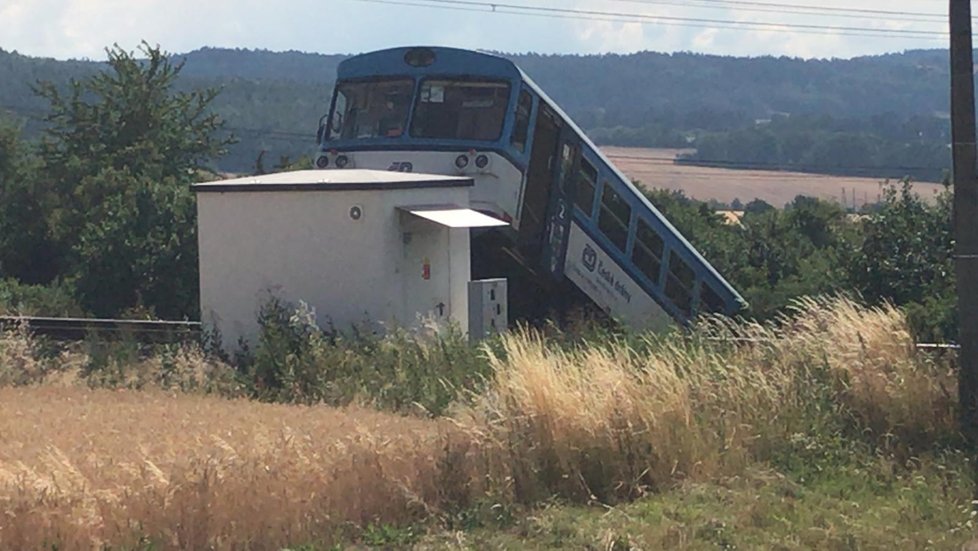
[(273, 100)]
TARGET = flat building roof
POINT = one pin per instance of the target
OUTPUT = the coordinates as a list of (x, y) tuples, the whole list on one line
[(352, 179)]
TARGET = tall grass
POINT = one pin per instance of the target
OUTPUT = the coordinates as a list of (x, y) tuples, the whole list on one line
[(611, 420), (586, 421), (23, 361)]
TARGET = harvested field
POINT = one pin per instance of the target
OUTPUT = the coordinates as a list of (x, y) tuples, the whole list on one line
[(654, 168)]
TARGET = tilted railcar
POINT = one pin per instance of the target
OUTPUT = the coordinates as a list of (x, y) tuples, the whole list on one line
[(577, 226)]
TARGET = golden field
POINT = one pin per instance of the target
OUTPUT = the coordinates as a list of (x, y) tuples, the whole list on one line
[(82, 467), (654, 169)]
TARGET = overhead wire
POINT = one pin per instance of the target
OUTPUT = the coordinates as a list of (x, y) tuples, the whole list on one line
[(804, 7), (479, 6), (797, 9)]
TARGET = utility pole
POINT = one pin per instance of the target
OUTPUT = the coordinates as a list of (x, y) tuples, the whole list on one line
[(965, 211)]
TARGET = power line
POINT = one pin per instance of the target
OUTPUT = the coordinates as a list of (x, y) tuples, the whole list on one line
[(796, 9), (831, 9), (626, 17)]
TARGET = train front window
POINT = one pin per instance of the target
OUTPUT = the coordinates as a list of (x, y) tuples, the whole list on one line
[(373, 109), (460, 110)]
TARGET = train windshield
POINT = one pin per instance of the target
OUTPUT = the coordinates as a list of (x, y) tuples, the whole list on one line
[(373, 109), (460, 110)]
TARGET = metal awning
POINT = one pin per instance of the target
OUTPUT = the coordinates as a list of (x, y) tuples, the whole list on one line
[(454, 217)]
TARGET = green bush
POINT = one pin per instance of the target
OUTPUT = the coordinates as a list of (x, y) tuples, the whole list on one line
[(55, 300), (296, 361)]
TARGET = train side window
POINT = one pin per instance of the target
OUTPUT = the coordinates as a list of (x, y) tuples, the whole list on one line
[(679, 283), (711, 300), (647, 254), (521, 127), (614, 216), (587, 180)]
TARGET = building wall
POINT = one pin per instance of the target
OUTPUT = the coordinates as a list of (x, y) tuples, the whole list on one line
[(305, 246)]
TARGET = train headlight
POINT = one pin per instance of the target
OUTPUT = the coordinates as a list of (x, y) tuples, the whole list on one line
[(342, 161), (322, 161), (461, 162), (482, 161)]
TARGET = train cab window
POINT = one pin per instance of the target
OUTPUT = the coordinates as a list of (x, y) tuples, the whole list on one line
[(374, 109), (587, 180), (460, 110), (679, 283), (647, 253), (710, 300), (614, 216), (521, 126)]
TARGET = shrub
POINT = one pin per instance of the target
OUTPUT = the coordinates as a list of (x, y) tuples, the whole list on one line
[(54, 300), (294, 360)]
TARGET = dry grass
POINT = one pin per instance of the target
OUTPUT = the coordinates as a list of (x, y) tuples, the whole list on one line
[(607, 421), (20, 362), (611, 421), (82, 468)]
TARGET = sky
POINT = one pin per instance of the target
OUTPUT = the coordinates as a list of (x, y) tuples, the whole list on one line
[(81, 29)]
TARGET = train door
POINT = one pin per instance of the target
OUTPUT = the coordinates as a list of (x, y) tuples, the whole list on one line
[(540, 177), (561, 202)]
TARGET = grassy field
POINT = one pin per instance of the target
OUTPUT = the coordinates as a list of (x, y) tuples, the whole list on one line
[(827, 430), (654, 168)]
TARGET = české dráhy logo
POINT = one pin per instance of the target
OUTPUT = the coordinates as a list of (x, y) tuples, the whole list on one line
[(590, 258)]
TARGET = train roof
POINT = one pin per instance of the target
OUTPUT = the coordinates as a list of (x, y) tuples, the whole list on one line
[(450, 61)]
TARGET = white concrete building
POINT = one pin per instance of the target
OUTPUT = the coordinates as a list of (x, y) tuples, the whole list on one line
[(358, 246)]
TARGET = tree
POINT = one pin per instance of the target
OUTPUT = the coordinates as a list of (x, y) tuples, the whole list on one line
[(25, 253), (907, 258), (119, 154)]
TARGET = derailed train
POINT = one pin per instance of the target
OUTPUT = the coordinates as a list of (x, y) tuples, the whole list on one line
[(579, 232)]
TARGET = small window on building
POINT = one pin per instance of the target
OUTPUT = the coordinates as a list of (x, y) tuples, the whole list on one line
[(679, 283), (614, 216), (710, 300), (647, 254), (587, 179), (521, 126)]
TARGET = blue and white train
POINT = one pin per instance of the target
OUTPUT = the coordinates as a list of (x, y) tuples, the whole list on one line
[(577, 226)]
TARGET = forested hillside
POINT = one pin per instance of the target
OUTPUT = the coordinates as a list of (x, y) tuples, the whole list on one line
[(876, 116)]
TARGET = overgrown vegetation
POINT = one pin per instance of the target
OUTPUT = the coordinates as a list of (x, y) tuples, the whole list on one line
[(832, 393), (900, 253)]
